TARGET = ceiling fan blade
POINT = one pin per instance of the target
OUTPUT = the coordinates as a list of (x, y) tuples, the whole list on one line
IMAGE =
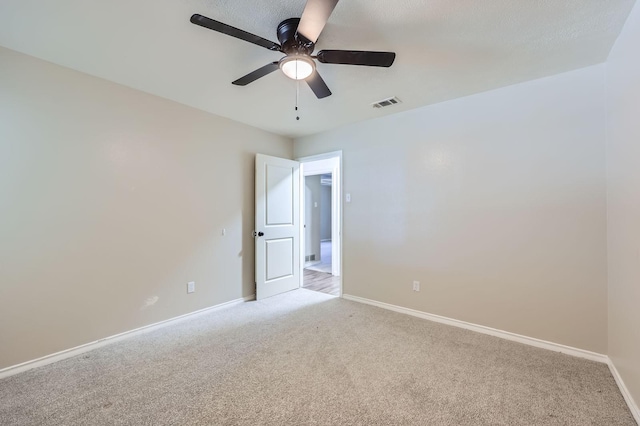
[(317, 84), (314, 18), (203, 21), (357, 57), (259, 73)]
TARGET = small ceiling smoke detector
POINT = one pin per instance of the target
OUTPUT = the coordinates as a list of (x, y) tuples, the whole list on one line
[(386, 102)]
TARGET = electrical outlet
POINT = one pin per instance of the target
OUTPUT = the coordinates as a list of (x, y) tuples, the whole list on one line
[(416, 286), (224, 231), (191, 286)]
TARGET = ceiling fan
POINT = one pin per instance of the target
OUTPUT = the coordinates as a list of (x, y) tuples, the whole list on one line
[(297, 38)]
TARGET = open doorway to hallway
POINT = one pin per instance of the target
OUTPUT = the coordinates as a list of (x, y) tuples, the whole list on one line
[(321, 225), (318, 239)]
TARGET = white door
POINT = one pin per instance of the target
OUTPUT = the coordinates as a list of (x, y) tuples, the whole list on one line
[(277, 232)]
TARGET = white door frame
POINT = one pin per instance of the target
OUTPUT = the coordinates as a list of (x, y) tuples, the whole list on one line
[(336, 206)]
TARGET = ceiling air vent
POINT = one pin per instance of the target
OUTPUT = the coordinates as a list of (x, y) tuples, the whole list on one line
[(386, 102)]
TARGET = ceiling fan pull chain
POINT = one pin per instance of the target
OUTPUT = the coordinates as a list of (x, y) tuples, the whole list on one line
[(297, 91)]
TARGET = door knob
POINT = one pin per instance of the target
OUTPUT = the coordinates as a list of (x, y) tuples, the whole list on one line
[(258, 234)]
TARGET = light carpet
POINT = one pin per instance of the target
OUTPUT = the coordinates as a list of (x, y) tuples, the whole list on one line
[(306, 358)]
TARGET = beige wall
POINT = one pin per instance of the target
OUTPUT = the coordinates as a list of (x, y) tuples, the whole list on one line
[(495, 202), (623, 166), (111, 200), (312, 208), (325, 212)]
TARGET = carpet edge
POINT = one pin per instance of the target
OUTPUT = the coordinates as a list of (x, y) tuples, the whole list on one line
[(507, 335), (531, 341), (77, 350), (631, 403)]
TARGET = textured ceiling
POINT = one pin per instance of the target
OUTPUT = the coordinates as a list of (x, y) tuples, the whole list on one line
[(445, 49)]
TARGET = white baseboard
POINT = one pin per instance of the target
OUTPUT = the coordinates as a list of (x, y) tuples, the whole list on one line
[(531, 341), (581, 353), (633, 407), (68, 353)]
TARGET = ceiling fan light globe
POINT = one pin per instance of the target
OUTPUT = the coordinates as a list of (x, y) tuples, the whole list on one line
[(297, 67)]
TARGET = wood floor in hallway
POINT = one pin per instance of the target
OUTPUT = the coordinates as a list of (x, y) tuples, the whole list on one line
[(322, 282)]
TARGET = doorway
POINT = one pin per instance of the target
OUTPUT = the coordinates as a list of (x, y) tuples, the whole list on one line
[(321, 224)]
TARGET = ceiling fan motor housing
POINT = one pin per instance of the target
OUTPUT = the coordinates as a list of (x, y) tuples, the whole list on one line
[(292, 44)]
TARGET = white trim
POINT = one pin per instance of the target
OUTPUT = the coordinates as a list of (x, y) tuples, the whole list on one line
[(531, 341), (323, 156), (581, 353), (633, 407), (68, 353)]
